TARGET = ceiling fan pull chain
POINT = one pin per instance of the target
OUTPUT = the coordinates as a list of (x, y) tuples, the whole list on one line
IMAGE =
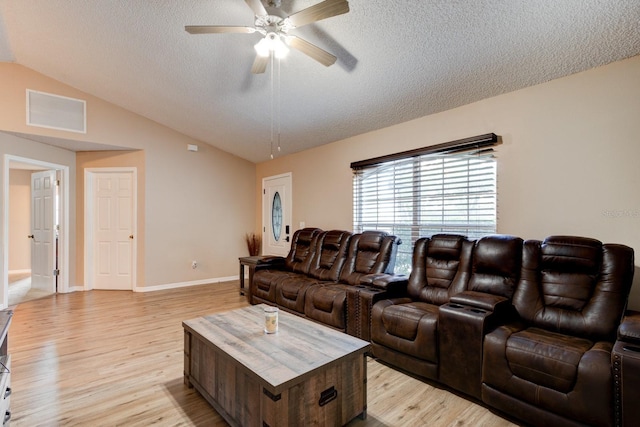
[(272, 59), (279, 106)]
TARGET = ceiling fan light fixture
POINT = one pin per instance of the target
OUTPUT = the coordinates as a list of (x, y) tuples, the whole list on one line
[(280, 49), (272, 42), (263, 48)]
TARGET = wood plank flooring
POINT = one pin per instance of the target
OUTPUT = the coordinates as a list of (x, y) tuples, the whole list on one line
[(115, 358)]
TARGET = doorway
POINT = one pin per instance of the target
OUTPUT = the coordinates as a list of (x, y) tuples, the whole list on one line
[(276, 215), (110, 228), (43, 236)]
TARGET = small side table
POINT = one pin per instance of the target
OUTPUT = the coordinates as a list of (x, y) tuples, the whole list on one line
[(252, 262)]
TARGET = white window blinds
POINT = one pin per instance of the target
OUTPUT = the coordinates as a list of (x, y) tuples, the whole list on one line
[(426, 194)]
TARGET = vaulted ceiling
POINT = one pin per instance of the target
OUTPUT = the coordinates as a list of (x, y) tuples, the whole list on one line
[(397, 60)]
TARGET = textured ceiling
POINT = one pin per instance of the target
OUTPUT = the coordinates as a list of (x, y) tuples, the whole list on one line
[(397, 60)]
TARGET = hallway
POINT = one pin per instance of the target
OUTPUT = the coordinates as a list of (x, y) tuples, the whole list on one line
[(20, 289)]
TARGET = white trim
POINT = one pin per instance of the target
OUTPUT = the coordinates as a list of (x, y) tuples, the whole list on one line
[(88, 222), (63, 236), (282, 175), (184, 284)]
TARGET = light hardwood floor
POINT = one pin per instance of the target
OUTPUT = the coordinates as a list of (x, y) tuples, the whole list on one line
[(114, 358)]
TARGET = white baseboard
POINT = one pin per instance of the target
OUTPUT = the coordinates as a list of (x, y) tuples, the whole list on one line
[(184, 284), (72, 289), (167, 285)]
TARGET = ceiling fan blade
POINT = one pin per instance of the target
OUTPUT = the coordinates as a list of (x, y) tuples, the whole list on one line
[(326, 9), (257, 7), (260, 64), (208, 29), (311, 50)]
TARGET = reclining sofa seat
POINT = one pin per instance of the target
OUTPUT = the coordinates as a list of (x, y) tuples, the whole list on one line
[(403, 330), (329, 255), (478, 276), (552, 365), (368, 267), (262, 289)]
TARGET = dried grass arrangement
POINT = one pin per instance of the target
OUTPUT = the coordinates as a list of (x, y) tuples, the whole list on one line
[(254, 243)]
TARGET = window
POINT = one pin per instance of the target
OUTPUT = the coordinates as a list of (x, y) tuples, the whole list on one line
[(424, 192)]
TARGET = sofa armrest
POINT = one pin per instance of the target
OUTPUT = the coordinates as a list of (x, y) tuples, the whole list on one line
[(625, 358), (463, 323), (482, 301), (393, 283), (270, 261), (629, 329), (360, 300)]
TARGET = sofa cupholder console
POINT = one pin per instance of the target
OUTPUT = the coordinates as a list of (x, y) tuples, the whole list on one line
[(462, 328)]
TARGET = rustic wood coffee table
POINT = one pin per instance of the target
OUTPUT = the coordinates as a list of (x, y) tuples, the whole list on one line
[(305, 374)]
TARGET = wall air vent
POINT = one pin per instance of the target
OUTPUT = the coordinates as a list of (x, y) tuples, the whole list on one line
[(56, 112)]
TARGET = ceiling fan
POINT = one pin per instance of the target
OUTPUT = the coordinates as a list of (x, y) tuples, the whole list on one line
[(275, 29)]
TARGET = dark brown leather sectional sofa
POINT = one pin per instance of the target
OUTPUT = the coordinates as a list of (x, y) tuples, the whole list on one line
[(533, 329), (327, 274)]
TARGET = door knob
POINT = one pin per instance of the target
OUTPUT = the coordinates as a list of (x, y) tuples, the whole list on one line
[(30, 236), (131, 236)]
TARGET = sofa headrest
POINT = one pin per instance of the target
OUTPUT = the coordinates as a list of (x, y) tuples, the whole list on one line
[(496, 265), (334, 239), (440, 267), (498, 255), (371, 252), (371, 240), (330, 255), (299, 257), (445, 246), (305, 235), (571, 254)]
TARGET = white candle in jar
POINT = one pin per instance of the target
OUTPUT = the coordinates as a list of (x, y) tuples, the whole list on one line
[(271, 320)]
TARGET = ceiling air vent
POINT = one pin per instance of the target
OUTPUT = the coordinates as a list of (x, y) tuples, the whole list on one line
[(56, 112)]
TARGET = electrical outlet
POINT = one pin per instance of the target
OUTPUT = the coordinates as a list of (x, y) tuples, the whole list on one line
[(194, 264)]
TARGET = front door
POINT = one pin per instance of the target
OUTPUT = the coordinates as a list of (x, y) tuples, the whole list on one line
[(43, 230), (276, 207), (112, 219)]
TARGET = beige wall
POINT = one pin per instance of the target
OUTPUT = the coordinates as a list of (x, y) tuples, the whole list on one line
[(197, 206), (568, 163), (19, 219)]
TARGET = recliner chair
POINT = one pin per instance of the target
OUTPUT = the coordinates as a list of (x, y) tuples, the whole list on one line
[(551, 365), (330, 253), (262, 288), (370, 258), (404, 331)]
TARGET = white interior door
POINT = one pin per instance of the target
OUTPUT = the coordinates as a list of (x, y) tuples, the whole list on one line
[(113, 230), (276, 208), (43, 230)]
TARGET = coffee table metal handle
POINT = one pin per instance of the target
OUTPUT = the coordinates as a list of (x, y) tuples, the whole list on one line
[(327, 396)]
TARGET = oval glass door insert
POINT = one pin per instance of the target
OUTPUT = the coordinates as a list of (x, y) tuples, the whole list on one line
[(276, 216)]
